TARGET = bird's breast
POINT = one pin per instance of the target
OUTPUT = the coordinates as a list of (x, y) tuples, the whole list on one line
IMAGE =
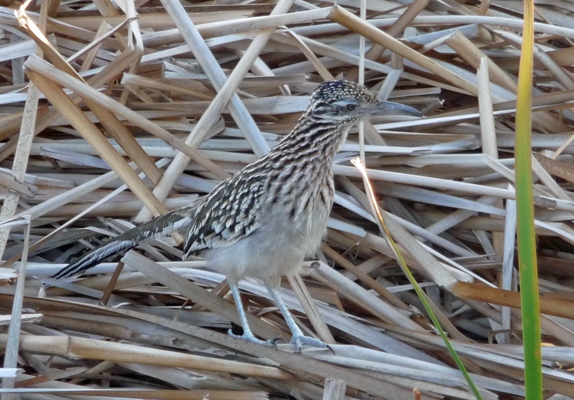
[(303, 215), (289, 228)]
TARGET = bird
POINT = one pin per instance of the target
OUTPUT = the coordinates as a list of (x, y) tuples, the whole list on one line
[(265, 219)]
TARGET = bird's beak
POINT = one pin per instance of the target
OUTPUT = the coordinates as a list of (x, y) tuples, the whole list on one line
[(390, 108)]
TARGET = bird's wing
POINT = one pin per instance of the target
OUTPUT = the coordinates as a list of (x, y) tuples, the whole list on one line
[(162, 225), (228, 214)]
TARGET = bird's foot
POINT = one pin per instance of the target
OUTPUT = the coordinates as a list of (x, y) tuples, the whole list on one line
[(251, 338), (302, 340)]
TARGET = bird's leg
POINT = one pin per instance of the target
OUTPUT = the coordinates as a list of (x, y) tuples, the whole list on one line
[(298, 337), (247, 334)]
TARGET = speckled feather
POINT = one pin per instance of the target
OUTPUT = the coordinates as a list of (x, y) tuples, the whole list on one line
[(266, 218), (289, 176)]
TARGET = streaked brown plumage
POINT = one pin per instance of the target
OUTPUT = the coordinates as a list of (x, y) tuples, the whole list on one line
[(265, 219)]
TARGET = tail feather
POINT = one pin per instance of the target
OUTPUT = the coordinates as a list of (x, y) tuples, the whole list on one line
[(163, 225), (94, 257)]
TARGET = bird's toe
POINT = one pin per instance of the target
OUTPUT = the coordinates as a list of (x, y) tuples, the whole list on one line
[(251, 338), (301, 341)]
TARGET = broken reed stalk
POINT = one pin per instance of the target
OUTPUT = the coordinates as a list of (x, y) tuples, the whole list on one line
[(69, 346)]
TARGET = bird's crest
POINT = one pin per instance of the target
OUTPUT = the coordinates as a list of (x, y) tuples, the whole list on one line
[(342, 90)]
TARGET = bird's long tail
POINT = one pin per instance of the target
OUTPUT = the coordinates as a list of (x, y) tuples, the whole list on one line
[(162, 225)]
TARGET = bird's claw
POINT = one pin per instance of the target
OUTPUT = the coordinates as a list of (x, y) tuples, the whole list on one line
[(301, 341), (251, 338), (277, 341)]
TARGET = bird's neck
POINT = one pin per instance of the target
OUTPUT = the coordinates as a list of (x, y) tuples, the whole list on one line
[(313, 137), (298, 171)]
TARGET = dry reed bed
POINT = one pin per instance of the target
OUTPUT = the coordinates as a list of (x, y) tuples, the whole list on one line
[(445, 183)]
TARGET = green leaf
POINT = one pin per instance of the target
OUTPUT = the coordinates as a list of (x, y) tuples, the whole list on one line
[(525, 214)]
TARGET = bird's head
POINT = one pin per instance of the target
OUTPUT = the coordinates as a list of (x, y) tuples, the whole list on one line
[(346, 102)]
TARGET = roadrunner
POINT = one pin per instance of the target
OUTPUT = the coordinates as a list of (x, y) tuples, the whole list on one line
[(263, 221)]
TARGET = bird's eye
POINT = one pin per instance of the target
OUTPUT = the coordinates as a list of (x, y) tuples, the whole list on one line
[(351, 106)]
